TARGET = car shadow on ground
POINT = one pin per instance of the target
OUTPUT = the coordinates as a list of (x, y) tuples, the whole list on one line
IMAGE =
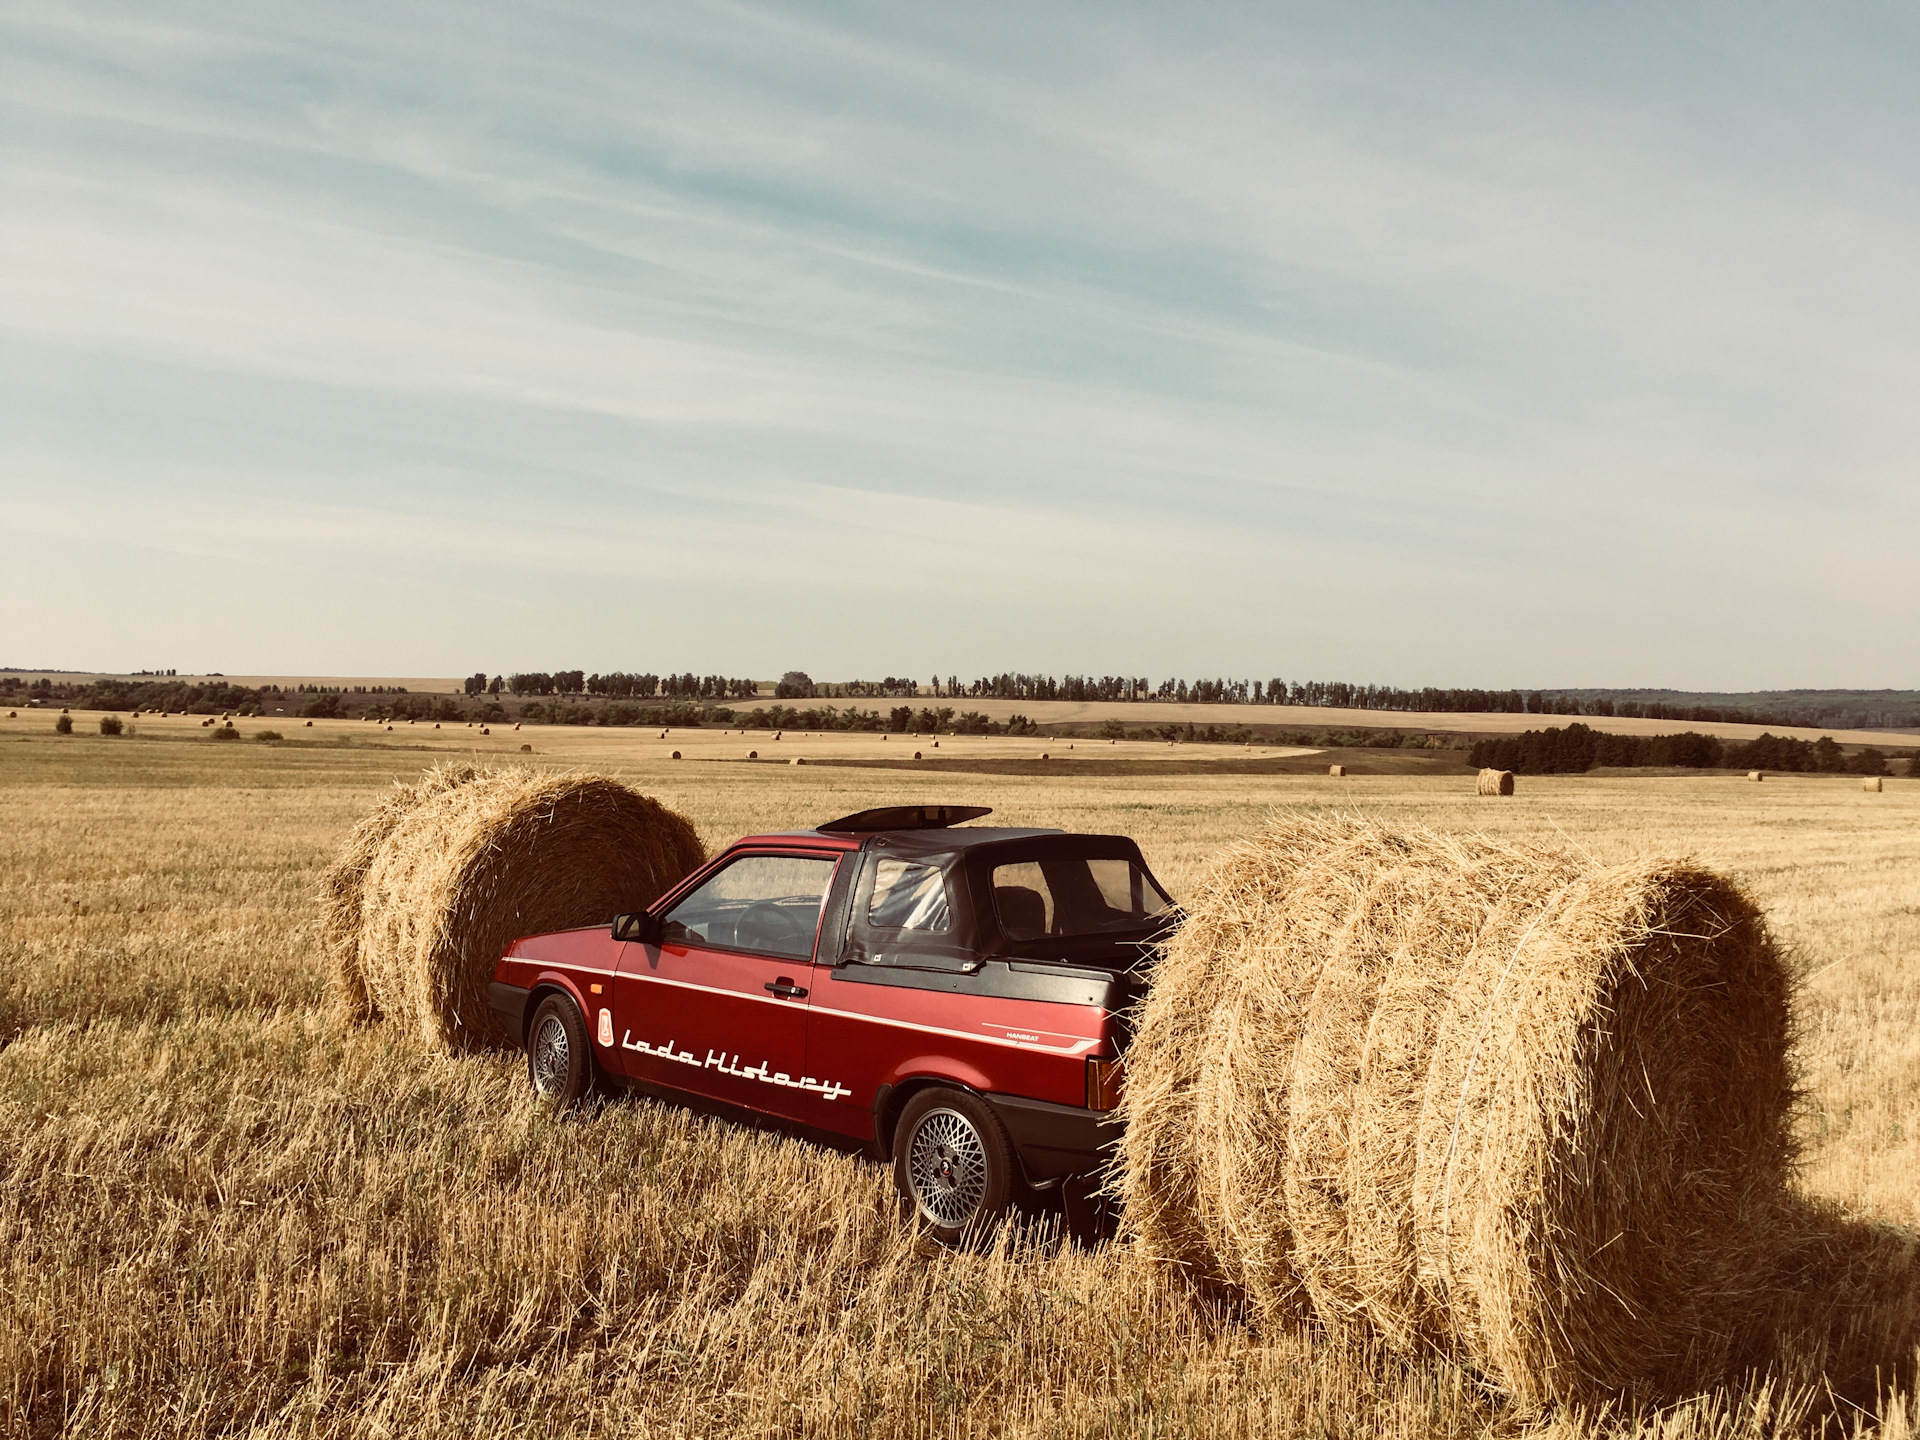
[(1071, 1212)]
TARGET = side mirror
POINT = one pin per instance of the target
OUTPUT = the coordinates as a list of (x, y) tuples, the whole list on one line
[(640, 927)]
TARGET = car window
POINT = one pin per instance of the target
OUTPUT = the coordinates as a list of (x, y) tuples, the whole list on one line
[(769, 904), (1075, 896), (908, 897)]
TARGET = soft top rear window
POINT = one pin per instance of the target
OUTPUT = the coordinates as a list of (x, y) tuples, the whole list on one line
[(908, 896), (1076, 895)]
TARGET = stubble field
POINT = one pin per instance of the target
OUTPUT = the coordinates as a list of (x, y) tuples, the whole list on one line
[(220, 1215)]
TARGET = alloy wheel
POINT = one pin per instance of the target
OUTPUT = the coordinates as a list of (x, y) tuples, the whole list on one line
[(552, 1057), (947, 1168)]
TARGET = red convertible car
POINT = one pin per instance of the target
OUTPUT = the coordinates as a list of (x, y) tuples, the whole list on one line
[(955, 998)]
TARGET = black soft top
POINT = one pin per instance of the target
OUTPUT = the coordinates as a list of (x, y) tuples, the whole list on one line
[(919, 843)]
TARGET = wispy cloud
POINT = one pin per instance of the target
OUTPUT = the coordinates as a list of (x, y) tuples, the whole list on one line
[(1504, 348)]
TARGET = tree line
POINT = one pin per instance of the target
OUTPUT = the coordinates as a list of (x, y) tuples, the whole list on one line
[(1346, 695), (1817, 708), (899, 720), (1578, 748), (616, 686)]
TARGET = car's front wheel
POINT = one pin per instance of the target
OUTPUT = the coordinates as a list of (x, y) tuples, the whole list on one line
[(559, 1064), (952, 1163)]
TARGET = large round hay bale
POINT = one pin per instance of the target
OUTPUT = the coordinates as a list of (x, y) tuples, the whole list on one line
[(1495, 782), (1871, 783), (470, 867), (1486, 1097)]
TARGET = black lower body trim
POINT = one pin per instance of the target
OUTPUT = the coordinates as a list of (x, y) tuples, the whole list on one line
[(1056, 1140), (509, 1002)]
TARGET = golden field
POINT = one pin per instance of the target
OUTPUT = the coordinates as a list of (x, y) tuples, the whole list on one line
[(223, 1216)]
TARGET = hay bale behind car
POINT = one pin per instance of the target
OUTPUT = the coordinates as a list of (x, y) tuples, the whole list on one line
[(471, 867), (1486, 1097)]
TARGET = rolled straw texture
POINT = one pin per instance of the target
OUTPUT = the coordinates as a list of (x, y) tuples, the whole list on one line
[(346, 878), (1488, 1098), (471, 868)]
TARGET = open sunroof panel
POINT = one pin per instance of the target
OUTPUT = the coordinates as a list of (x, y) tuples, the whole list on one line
[(905, 817)]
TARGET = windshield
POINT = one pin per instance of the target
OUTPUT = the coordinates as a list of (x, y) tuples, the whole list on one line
[(1076, 896), (769, 904)]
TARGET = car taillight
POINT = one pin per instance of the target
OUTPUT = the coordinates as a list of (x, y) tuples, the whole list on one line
[(1104, 1078)]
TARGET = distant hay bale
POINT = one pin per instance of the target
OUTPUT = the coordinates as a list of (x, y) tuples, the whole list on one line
[(1336, 770), (1479, 1097), (1872, 782), (1496, 782), (1756, 775), (443, 875)]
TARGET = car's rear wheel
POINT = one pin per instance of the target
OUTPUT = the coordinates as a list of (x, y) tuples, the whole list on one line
[(559, 1064), (952, 1163)]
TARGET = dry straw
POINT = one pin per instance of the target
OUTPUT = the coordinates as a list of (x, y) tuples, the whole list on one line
[(1756, 775), (1872, 782), (1496, 782), (345, 878), (1336, 770), (431, 887), (1472, 1096)]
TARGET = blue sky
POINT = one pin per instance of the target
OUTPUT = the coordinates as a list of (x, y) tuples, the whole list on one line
[(1498, 345)]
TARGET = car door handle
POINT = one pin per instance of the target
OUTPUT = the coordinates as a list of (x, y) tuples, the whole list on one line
[(786, 989)]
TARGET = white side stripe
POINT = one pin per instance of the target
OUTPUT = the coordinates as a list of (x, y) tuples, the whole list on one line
[(1078, 1047)]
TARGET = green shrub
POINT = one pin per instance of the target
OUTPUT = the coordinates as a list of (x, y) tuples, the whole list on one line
[(225, 732), (268, 735), (63, 725), (110, 725)]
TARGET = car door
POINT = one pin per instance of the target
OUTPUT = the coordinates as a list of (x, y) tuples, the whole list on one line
[(719, 1007)]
